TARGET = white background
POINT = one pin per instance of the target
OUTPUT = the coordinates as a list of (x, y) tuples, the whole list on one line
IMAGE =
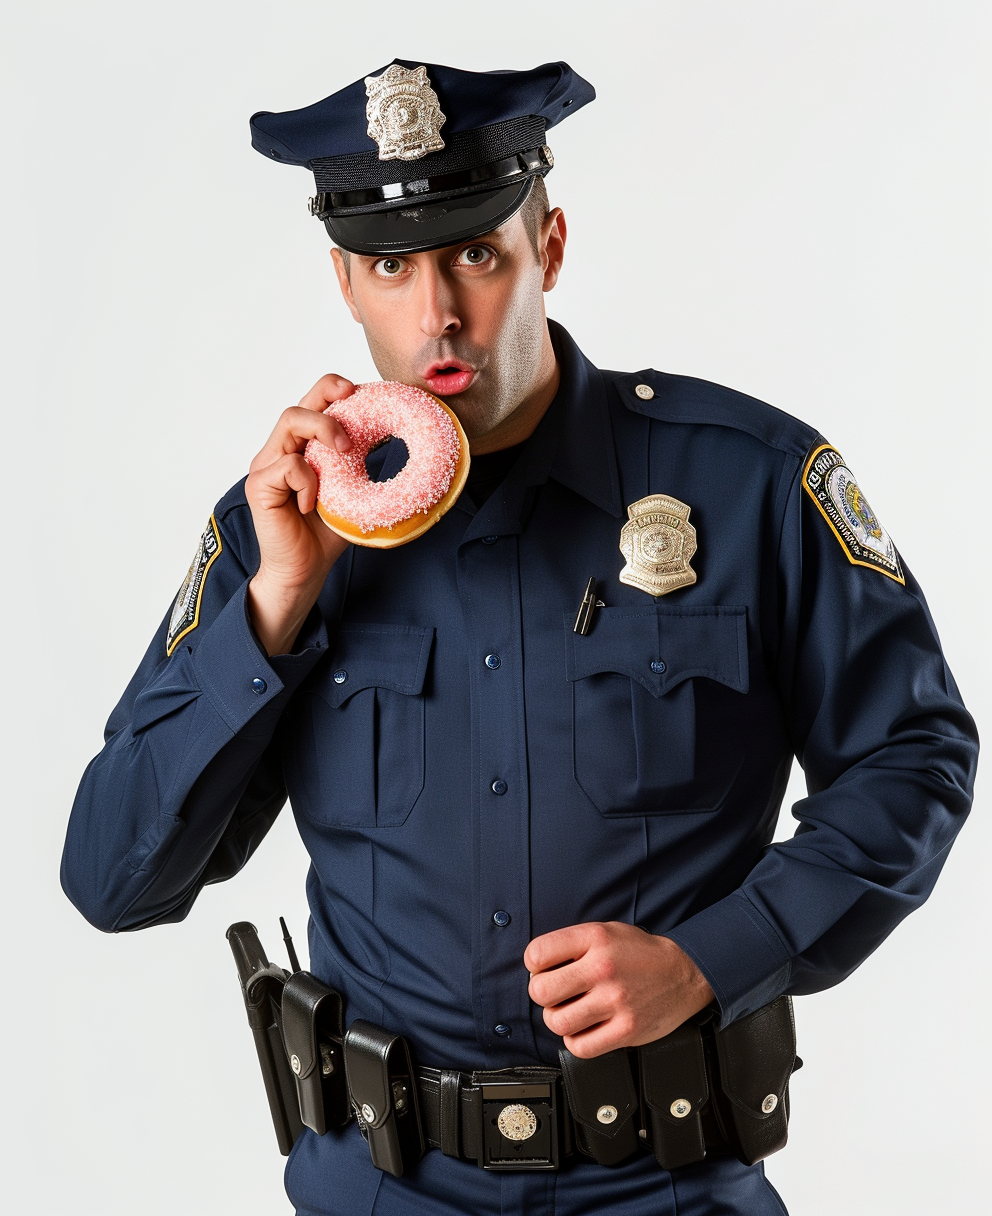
[(789, 198)]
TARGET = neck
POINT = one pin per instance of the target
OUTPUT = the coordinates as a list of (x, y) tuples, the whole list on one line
[(521, 423)]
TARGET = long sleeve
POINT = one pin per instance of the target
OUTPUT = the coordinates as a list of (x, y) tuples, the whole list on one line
[(889, 755), (188, 781)]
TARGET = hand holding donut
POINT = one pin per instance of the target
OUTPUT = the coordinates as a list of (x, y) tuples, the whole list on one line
[(297, 550), (312, 472)]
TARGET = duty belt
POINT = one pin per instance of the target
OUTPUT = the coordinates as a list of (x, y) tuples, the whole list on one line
[(697, 1092)]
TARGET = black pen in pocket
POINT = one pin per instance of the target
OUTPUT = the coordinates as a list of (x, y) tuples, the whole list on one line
[(587, 609)]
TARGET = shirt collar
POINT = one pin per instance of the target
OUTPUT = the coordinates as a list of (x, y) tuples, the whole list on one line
[(573, 444)]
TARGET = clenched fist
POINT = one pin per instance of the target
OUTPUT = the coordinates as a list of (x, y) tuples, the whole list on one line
[(612, 985)]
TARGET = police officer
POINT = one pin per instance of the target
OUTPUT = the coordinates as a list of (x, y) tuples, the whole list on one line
[(536, 756)]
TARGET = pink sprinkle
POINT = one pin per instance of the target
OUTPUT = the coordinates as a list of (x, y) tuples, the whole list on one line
[(371, 414)]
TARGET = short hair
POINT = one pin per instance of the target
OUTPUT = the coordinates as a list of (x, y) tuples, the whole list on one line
[(533, 214), (535, 211)]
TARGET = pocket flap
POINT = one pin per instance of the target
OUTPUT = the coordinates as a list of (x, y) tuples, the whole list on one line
[(376, 656), (661, 646)]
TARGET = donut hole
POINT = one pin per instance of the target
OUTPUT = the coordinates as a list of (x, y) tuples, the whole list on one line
[(386, 458)]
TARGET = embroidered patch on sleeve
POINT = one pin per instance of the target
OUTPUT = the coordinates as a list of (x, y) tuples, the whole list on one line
[(186, 610), (831, 485)]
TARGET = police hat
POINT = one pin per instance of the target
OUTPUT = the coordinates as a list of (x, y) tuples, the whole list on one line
[(418, 156)]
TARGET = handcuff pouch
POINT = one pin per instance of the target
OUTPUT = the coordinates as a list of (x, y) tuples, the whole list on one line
[(313, 1031), (383, 1090)]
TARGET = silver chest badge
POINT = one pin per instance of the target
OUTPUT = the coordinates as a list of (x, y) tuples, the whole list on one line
[(657, 542), (404, 114)]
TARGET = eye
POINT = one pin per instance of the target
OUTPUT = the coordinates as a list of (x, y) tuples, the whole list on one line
[(388, 268), (474, 255)]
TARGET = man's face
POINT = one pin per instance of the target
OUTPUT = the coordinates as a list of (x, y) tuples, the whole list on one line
[(465, 322)]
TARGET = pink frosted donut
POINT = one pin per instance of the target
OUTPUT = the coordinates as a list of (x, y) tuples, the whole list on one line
[(387, 513)]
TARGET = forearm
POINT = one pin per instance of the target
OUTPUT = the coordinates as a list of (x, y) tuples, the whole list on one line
[(817, 905), (163, 804), (277, 612)]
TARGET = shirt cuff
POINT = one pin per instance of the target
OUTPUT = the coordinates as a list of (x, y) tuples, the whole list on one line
[(236, 674), (741, 955)]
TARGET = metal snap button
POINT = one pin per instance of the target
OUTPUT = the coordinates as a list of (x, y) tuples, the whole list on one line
[(258, 685), (490, 540), (368, 1114), (680, 1107), (339, 677), (503, 1030), (658, 667), (493, 661), (606, 1114), (501, 918), (769, 1104), (499, 787), (294, 1063), (644, 391)]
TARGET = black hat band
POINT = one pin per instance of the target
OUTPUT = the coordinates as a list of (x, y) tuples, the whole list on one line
[(381, 198)]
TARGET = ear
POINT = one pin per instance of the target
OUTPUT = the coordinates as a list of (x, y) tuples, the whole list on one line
[(552, 246), (344, 282)]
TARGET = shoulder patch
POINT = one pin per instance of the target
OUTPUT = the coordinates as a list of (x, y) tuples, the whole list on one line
[(186, 610), (831, 485)]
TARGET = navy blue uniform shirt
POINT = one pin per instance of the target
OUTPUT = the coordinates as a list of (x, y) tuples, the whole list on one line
[(452, 749)]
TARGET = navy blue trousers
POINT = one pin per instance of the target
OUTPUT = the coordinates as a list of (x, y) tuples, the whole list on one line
[(333, 1175)]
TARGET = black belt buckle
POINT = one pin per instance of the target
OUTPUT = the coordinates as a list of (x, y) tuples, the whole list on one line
[(520, 1125)]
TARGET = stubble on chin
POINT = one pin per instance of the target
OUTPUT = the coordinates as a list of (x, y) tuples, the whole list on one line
[(505, 369)]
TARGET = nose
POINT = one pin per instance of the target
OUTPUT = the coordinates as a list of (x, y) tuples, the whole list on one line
[(438, 313)]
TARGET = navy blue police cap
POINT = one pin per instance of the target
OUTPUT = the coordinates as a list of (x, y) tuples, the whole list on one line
[(418, 156)]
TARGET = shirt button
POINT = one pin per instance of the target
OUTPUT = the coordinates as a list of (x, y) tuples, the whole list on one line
[(339, 677), (490, 540), (493, 661), (657, 666), (258, 685), (503, 1030), (500, 787), (501, 918), (644, 391)]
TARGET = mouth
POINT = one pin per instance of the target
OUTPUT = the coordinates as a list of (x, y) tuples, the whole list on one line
[(449, 377)]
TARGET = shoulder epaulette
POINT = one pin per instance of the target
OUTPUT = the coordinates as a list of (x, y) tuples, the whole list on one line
[(685, 399)]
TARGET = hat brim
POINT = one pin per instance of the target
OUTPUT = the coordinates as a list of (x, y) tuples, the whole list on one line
[(415, 228)]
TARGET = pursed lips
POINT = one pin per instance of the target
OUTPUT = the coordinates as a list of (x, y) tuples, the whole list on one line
[(451, 376)]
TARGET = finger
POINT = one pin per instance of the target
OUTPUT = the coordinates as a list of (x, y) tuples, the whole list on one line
[(599, 1039), (573, 1017), (562, 946), (559, 984), (327, 389), (272, 486), (295, 428)]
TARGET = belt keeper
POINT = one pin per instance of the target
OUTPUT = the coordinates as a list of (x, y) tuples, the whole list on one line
[(449, 1096)]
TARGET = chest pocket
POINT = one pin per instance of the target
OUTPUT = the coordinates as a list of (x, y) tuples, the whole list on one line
[(656, 705), (361, 737)]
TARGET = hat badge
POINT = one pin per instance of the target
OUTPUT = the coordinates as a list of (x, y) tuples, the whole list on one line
[(658, 542), (404, 114)]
